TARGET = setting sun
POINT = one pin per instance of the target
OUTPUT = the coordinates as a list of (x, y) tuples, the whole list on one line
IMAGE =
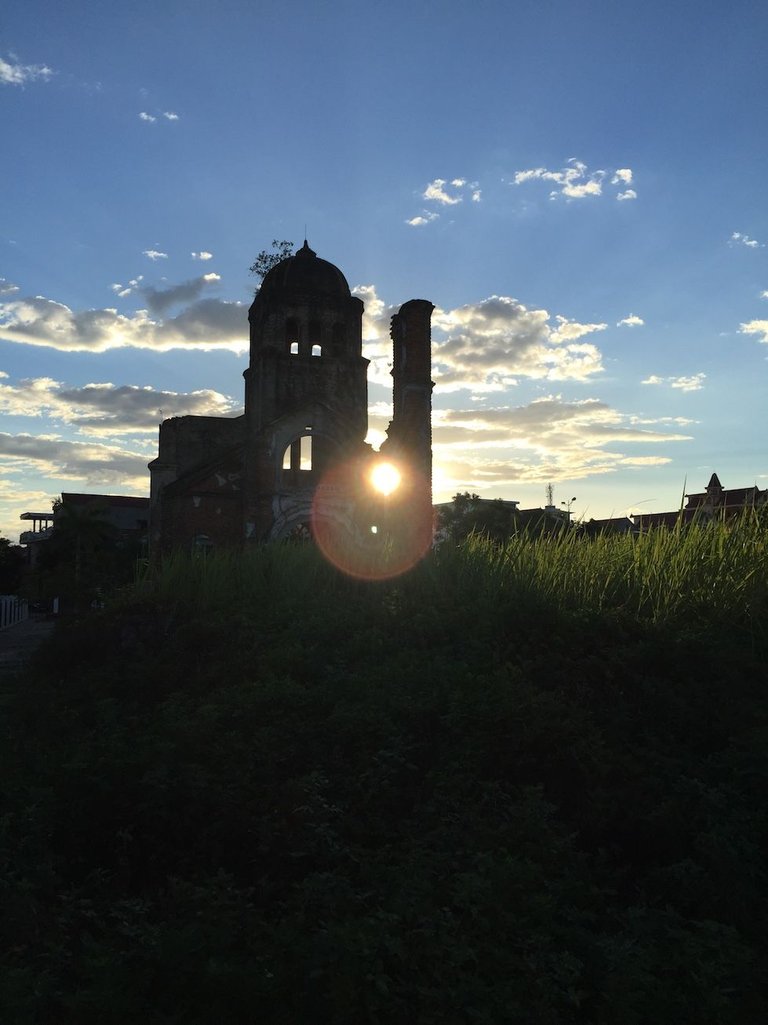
[(385, 478)]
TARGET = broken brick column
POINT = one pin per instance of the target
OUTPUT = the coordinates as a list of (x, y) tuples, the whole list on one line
[(409, 436)]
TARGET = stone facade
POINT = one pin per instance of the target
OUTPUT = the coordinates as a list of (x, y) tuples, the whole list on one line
[(297, 454)]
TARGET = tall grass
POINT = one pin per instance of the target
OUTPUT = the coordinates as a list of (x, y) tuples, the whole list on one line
[(711, 571), (473, 786), (708, 569), (266, 575)]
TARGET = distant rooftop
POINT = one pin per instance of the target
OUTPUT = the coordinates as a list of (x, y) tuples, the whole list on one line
[(81, 498)]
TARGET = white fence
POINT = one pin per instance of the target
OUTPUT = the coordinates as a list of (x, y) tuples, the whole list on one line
[(12, 610)]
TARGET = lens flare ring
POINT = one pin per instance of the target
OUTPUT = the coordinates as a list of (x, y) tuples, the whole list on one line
[(345, 506)]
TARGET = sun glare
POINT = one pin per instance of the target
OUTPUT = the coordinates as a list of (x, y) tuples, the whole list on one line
[(385, 478)]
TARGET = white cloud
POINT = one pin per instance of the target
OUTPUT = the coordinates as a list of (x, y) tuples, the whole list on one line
[(631, 321), (423, 218), (548, 438), (572, 181), (202, 255), (544, 415), (124, 290), (526, 176), (95, 464), (570, 330), (739, 239), (13, 73), (648, 460), (756, 327), (764, 295), (377, 346), (575, 181), (435, 191), (205, 324), (160, 300), (7, 287), (488, 345), (154, 254), (593, 187), (695, 382), (679, 421), (167, 115), (376, 314), (107, 409), (379, 418)]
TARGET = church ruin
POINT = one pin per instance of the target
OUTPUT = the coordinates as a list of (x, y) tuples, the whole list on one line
[(296, 458)]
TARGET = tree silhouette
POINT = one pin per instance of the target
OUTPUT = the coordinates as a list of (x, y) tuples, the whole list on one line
[(11, 565), (82, 557), (269, 258)]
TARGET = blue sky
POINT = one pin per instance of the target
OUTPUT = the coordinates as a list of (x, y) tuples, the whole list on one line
[(579, 188)]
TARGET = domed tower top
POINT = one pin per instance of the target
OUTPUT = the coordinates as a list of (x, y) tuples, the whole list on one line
[(304, 307), (304, 274), (306, 343)]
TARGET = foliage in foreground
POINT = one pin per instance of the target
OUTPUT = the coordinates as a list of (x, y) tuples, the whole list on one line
[(522, 784)]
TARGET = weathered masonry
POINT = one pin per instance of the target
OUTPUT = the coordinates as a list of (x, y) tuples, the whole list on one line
[(223, 481)]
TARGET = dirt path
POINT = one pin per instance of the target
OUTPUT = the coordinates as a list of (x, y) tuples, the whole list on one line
[(18, 642)]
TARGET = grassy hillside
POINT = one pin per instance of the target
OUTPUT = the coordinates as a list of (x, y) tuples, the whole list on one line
[(521, 784)]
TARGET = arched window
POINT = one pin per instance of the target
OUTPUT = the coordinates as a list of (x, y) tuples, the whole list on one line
[(317, 350), (305, 452), (299, 455), (292, 336)]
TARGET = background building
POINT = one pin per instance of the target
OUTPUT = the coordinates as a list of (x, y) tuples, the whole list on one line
[(714, 502)]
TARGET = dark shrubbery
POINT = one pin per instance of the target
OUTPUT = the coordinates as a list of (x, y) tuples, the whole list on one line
[(256, 791)]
